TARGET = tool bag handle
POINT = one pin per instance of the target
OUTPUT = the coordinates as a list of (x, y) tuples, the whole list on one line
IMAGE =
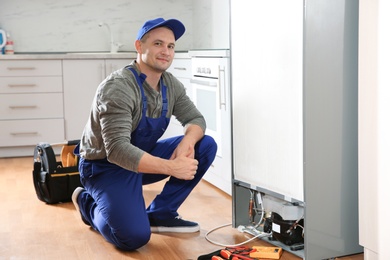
[(44, 153)]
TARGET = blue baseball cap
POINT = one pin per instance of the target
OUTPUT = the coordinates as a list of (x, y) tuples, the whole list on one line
[(176, 26)]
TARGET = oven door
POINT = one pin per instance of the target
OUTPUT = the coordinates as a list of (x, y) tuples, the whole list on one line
[(206, 96)]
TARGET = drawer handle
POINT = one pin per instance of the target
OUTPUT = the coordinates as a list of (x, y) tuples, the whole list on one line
[(22, 107), (179, 68), (23, 133), (21, 85), (21, 68)]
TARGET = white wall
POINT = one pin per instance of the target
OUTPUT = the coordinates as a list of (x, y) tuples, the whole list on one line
[(374, 128), (211, 24), (72, 25)]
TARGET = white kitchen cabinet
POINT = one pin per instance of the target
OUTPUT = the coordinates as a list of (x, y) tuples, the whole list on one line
[(31, 105), (28, 132), (30, 68), (81, 79), (374, 129), (115, 64)]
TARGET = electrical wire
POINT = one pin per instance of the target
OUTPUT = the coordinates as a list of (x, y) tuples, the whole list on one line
[(257, 210), (296, 224), (253, 210), (240, 244)]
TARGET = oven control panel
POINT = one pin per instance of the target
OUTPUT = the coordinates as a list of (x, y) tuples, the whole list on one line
[(203, 70), (205, 67)]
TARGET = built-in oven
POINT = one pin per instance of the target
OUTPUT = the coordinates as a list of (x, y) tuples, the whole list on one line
[(211, 94)]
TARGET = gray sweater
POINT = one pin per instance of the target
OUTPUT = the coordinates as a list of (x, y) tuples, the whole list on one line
[(116, 112)]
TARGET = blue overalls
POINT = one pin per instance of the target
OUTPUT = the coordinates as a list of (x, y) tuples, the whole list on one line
[(113, 203)]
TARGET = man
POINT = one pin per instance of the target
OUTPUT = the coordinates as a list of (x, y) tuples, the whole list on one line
[(119, 149)]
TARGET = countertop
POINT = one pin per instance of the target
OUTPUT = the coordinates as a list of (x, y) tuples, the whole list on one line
[(79, 55)]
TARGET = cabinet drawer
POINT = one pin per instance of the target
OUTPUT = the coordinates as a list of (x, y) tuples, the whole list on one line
[(30, 84), (29, 106), (31, 132), (181, 68), (30, 68), (115, 64)]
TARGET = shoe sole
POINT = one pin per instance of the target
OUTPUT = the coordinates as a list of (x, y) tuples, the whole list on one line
[(161, 229), (75, 195)]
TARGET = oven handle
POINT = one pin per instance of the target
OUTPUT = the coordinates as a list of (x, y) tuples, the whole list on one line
[(215, 84), (222, 87), (204, 82)]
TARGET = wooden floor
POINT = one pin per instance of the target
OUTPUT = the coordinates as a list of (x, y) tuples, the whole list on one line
[(31, 229)]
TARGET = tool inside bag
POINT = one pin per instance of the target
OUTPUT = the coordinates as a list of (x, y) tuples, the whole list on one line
[(55, 181)]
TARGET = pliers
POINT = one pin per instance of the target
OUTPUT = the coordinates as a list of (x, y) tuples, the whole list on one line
[(240, 252)]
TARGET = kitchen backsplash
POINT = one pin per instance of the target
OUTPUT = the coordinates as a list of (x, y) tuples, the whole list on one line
[(73, 25)]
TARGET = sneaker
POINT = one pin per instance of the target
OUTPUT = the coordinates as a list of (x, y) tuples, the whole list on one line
[(176, 225), (75, 196)]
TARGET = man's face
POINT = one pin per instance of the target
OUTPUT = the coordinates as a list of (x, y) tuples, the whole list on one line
[(158, 49)]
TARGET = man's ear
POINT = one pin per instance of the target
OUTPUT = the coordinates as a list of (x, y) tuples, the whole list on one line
[(137, 45)]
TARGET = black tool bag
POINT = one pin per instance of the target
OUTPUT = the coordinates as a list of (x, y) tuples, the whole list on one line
[(55, 181)]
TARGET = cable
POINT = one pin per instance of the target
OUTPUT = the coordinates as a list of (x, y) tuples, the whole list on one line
[(251, 210), (295, 224), (240, 244), (257, 210)]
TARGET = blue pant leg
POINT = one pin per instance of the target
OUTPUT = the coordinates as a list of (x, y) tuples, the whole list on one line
[(175, 191), (113, 204), (163, 149)]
